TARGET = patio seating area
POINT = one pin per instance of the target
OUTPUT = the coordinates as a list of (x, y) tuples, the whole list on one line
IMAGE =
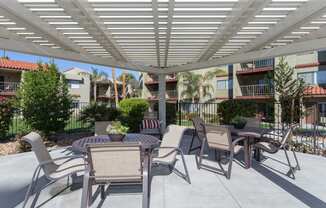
[(264, 185)]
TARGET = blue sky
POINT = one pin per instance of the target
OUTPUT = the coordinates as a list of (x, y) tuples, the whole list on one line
[(62, 64)]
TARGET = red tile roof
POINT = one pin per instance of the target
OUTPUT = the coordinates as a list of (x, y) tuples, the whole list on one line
[(314, 90), (17, 65)]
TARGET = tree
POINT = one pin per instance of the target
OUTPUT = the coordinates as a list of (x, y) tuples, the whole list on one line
[(44, 99), (197, 85), (132, 85), (288, 90), (96, 76)]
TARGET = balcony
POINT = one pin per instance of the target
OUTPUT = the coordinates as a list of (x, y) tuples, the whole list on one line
[(258, 66), (256, 91), (153, 79), (8, 88), (169, 94)]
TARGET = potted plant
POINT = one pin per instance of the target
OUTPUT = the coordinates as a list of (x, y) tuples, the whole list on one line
[(238, 122), (99, 115), (116, 131)]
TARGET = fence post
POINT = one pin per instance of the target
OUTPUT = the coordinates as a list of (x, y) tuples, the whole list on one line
[(179, 112)]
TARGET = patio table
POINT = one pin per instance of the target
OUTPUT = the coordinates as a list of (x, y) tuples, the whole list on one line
[(252, 134), (147, 142)]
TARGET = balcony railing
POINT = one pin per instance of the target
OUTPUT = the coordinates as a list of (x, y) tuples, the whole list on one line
[(153, 79), (169, 94), (9, 87), (257, 90), (256, 65)]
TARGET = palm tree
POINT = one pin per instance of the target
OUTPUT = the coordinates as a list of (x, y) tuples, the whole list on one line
[(197, 85), (116, 97)]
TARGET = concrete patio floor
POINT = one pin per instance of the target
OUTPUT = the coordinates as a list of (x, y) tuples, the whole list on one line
[(264, 185)]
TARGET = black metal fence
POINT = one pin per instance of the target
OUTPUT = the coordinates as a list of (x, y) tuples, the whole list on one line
[(309, 135), (74, 124)]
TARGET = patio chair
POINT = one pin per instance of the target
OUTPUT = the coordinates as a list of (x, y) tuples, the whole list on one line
[(169, 148), (114, 163), (273, 146), (219, 138), (200, 132), (54, 169), (151, 127)]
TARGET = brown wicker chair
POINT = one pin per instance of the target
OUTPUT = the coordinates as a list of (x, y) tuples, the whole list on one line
[(219, 138), (113, 163)]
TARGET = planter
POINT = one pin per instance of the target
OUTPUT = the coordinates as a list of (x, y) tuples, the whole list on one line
[(100, 127), (116, 137)]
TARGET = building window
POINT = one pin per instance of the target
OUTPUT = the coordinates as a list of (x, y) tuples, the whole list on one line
[(224, 84), (321, 77), (308, 77), (74, 84)]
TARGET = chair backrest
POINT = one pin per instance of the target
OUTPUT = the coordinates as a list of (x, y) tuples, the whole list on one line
[(115, 162), (199, 125), (40, 151), (252, 122), (151, 124), (171, 138), (219, 137)]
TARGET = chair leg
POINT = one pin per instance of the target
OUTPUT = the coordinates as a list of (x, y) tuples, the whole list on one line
[(85, 200), (296, 160), (291, 172), (185, 167), (200, 156), (228, 175), (146, 194), (103, 194), (32, 185)]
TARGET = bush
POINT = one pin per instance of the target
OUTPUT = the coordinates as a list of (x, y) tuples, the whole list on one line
[(229, 109), (44, 99), (239, 122), (98, 112), (133, 110), (6, 115)]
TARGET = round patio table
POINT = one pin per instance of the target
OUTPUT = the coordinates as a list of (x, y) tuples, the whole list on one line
[(147, 142)]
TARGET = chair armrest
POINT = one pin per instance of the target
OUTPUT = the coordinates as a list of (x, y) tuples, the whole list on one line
[(61, 158), (236, 141), (173, 149)]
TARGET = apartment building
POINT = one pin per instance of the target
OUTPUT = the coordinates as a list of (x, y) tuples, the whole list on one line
[(150, 89), (79, 85), (252, 81), (11, 74)]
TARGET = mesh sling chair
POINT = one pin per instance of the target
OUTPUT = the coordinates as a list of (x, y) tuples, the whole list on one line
[(114, 163), (54, 169), (169, 148), (200, 132), (219, 138), (272, 146)]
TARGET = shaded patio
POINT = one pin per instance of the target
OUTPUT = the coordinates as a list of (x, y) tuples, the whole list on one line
[(264, 185)]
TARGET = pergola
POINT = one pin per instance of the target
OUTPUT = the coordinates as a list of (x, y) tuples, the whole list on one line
[(162, 36)]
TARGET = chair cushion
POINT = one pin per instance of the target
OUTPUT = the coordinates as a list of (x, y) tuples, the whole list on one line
[(266, 146), (150, 124)]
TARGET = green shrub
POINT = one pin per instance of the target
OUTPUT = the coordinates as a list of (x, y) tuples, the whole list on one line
[(6, 115), (133, 110), (44, 99), (229, 109), (98, 112), (239, 122)]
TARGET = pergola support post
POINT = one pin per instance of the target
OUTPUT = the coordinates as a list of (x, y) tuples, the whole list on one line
[(162, 101)]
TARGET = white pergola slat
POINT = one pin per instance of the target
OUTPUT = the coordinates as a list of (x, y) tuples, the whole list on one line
[(162, 36)]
